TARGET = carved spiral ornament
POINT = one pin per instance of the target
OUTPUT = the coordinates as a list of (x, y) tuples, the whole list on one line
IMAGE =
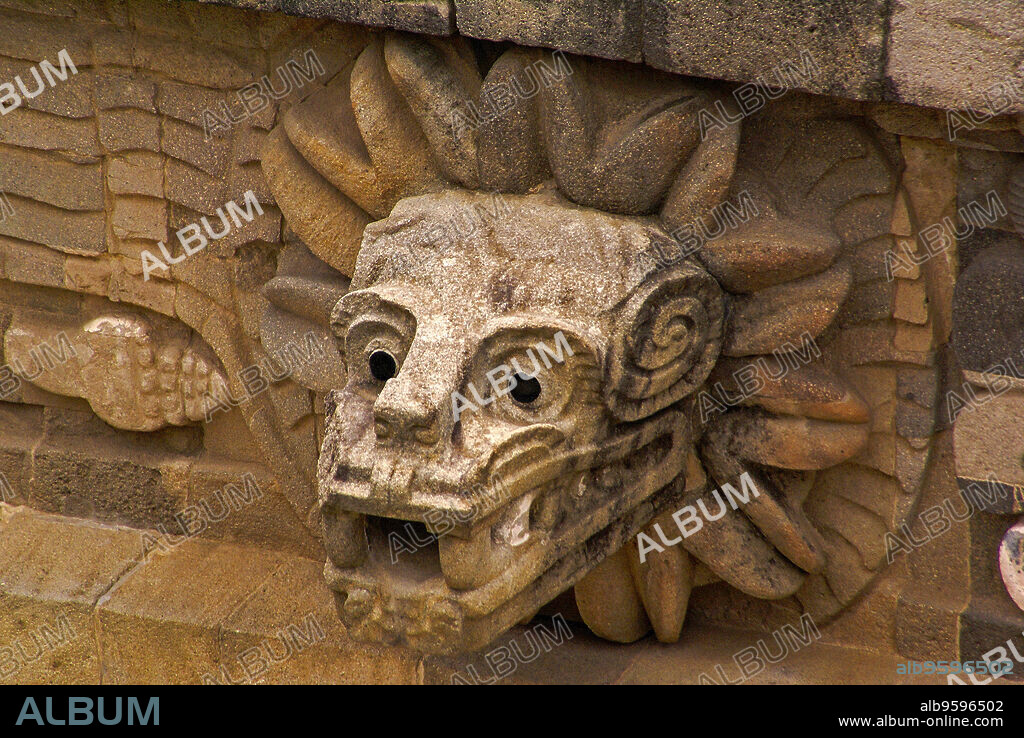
[(672, 334)]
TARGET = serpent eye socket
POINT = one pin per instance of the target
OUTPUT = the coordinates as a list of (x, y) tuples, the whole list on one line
[(527, 389), (375, 350), (383, 365), (528, 394), (526, 375)]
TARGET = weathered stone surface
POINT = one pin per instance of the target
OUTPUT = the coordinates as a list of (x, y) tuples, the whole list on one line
[(910, 120), (998, 134), (980, 242), (301, 192), (86, 485), (52, 574), (606, 28), (1015, 197), (988, 311), (954, 54), (39, 37), (126, 286), (125, 91), (983, 176), (203, 613), (291, 613), (594, 171), (781, 314), (187, 102), (51, 180), (923, 629), (190, 145), (420, 16), (917, 386), (869, 302), (911, 302), (229, 509), (985, 445), (136, 173), (303, 281), (31, 264), (930, 184), (664, 581), (749, 42), (154, 629), (24, 427), (36, 130), (608, 601), (193, 188), (914, 51), (244, 28), (768, 253), (140, 218), (112, 46), (811, 391), (73, 232), (70, 98), (710, 657), (991, 628), (197, 63), (125, 130)]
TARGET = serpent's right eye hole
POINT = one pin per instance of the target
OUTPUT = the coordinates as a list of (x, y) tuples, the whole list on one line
[(527, 389), (383, 366)]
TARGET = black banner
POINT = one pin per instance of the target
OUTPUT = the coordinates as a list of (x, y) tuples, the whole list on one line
[(266, 708)]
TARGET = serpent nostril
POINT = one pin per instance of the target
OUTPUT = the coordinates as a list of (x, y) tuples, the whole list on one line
[(428, 434), (405, 419)]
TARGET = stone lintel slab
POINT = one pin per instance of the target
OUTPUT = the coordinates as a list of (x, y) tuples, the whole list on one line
[(162, 625), (957, 54), (606, 28), (434, 17), (947, 54), (764, 40), (214, 613)]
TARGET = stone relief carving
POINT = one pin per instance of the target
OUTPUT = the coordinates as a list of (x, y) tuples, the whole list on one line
[(567, 314), (598, 167), (137, 372)]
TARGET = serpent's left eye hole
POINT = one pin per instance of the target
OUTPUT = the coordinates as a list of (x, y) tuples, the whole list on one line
[(383, 366), (527, 389)]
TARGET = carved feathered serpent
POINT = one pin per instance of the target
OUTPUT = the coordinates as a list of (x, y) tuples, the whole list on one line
[(593, 140)]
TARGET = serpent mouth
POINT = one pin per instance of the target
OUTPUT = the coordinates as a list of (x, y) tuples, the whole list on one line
[(441, 571), (418, 583)]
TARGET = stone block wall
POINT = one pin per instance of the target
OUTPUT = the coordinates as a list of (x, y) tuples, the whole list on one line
[(181, 573)]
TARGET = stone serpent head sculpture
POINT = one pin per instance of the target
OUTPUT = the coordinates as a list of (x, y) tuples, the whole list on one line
[(530, 349)]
